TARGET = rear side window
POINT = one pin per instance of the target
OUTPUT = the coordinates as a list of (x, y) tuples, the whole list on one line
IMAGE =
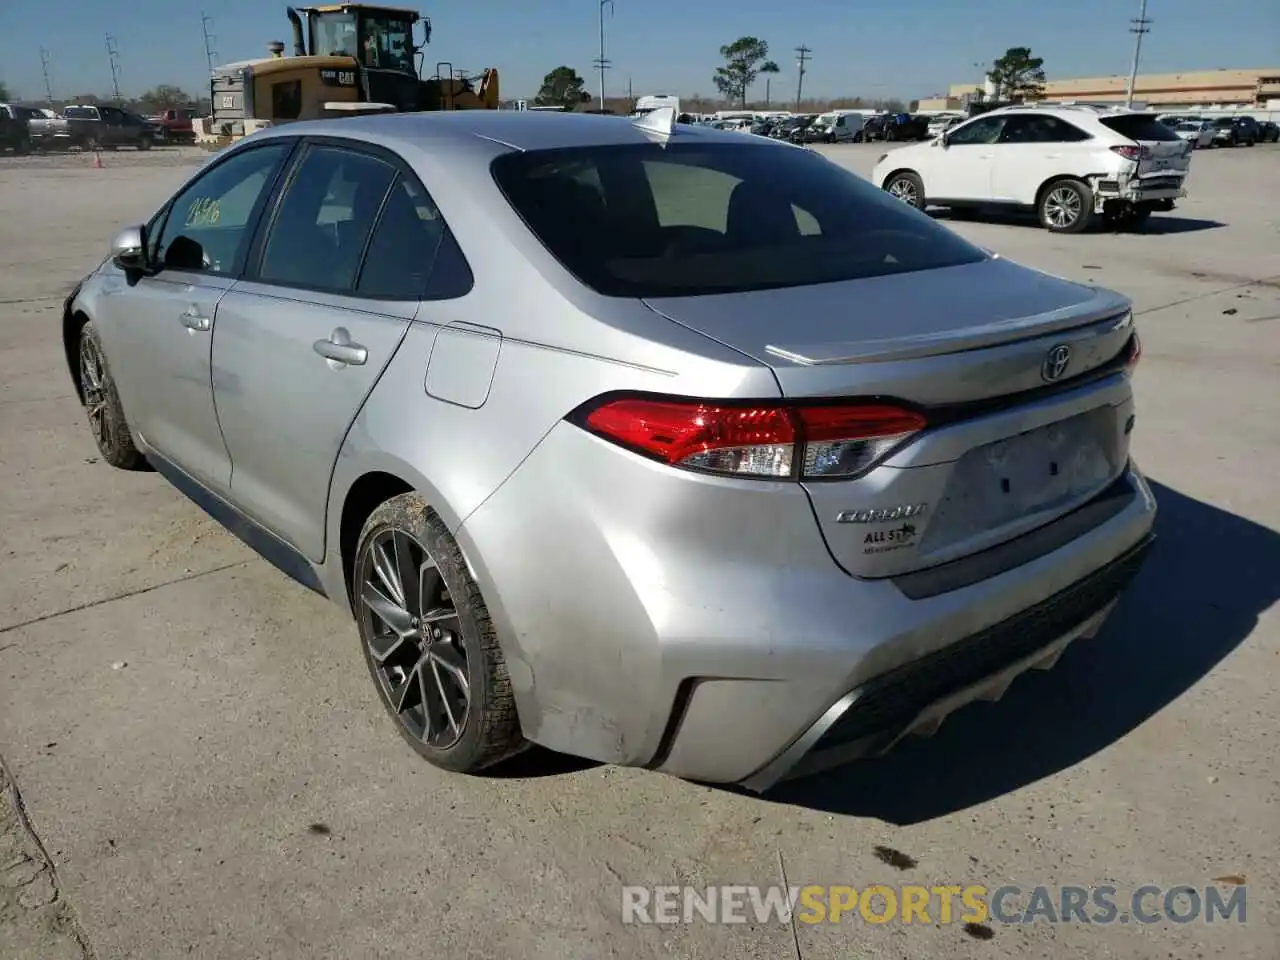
[(644, 220), (403, 248), (1138, 126), (324, 219)]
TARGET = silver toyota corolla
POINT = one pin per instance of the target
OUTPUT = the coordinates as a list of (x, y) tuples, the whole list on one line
[(638, 441)]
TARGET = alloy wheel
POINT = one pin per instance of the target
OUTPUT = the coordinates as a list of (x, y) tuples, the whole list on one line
[(904, 190), (92, 382), (414, 639), (1062, 207)]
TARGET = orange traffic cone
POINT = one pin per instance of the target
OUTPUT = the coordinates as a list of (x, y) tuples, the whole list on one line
[(97, 161)]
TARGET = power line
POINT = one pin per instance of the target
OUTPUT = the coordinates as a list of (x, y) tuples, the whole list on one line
[(1141, 25), (113, 56), (802, 54), (210, 49), (601, 62), (44, 68)]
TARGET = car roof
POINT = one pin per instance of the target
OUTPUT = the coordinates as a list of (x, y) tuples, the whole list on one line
[(515, 129)]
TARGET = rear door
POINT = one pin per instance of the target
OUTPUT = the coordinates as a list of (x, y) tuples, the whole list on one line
[(1164, 153), (302, 340)]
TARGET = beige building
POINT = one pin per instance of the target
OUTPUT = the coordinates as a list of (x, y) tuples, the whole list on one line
[(1251, 89)]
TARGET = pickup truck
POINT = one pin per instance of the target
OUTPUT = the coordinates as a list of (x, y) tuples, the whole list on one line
[(174, 126), (93, 128)]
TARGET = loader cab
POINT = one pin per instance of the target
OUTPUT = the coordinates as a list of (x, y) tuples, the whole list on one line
[(379, 39)]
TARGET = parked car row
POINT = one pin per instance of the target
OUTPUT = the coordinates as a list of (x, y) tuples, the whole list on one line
[(87, 127), (1232, 131)]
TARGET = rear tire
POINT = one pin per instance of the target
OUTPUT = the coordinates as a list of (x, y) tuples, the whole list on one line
[(102, 404), (1066, 206), (907, 187), (447, 643)]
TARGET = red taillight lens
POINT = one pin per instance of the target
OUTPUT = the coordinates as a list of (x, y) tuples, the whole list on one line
[(760, 440), (1132, 153)]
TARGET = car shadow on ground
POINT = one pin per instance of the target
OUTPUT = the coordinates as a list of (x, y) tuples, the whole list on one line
[(1199, 596), (1159, 224)]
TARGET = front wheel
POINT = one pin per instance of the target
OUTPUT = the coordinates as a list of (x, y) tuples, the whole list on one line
[(1066, 206), (907, 187), (102, 404), (429, 642)]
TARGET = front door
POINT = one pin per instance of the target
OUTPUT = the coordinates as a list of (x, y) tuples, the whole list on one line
[(158, 329), (962, 169), (300, 344)]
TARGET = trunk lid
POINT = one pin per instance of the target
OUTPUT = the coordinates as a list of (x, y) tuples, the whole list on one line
[(1013, 442)]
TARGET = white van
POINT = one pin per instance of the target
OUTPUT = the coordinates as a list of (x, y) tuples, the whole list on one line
[(838, 126)]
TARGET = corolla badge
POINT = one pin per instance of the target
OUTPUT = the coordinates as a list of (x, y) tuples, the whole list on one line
[(883, 514), (1056, 362)]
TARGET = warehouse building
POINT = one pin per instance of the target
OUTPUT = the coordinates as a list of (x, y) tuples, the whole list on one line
[(1253, 90)]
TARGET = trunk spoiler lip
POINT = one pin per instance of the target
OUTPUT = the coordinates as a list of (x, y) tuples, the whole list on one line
[(1112, 317)]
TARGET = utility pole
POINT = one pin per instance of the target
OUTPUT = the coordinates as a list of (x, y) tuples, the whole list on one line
[(44, 68), (802, 54), (113, 56), (602, 64), (210, 50), (1140, 26)]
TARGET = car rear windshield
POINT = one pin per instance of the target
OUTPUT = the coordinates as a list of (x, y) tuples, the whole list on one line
[(1137, 126), (80, 113), (647, 220)]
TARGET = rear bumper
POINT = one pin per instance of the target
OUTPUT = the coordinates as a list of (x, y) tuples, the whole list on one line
[(698, 626), (916, 697), (1152, 189)]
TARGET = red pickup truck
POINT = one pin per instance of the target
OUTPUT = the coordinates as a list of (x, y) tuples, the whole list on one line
[(174, 126)]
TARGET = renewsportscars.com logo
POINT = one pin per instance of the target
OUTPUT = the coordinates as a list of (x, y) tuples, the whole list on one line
[(971, 904)]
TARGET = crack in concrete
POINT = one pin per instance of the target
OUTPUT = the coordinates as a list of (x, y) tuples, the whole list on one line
[(24, 822), (1261, 282), (124, 595)]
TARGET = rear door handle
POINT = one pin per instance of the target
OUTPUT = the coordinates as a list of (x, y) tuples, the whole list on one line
[(193, 319), (339, 348)]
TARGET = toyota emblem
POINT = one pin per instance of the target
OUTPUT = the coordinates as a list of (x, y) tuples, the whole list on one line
[(1056, 362)]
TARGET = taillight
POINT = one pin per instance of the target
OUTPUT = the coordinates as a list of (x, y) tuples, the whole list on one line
[(765, 440), (1132, 153)]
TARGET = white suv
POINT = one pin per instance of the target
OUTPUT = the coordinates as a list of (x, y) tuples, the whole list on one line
[(1071, 164)]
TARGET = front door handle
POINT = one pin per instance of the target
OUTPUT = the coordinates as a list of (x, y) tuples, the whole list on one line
[(339, 349), (193, 319)]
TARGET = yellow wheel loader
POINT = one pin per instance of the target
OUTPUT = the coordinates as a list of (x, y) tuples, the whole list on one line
[(347, 58)]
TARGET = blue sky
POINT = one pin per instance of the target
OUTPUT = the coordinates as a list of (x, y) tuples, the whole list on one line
[(906, 48)]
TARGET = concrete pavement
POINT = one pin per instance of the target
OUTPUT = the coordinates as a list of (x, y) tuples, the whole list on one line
[(202, 756)]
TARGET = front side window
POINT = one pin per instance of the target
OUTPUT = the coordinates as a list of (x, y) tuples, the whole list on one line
[(208, 224), (695, 218), (981, 131), (333, 35), (324, 218)]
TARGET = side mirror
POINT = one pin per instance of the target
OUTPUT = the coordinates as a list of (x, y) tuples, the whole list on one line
[(129, 249)]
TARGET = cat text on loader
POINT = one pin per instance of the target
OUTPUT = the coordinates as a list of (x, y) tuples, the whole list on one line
[(348, 58)]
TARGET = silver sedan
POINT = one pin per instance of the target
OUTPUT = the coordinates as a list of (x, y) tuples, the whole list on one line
[(631, 439)]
